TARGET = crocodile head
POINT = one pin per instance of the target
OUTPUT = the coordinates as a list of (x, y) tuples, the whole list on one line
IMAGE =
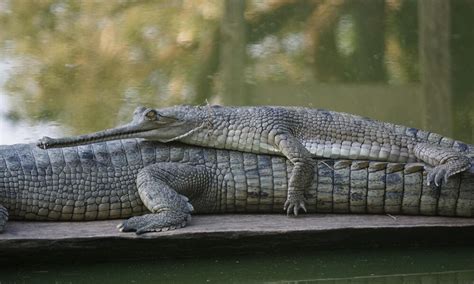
[(162, 125)]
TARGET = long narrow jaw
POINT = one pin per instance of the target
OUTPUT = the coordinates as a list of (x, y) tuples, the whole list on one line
[(146, 123), (122, 132)]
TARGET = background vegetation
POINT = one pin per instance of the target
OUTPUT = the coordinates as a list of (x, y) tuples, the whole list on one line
[(87, 64)]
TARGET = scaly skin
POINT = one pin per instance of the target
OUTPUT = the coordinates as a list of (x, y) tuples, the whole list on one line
[(299, 134), (155, 184)]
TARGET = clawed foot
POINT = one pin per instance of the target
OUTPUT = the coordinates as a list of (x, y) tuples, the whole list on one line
[(437, 175), (444, 171), (3, 218), (158, 222), (294, 202), (447, 162)]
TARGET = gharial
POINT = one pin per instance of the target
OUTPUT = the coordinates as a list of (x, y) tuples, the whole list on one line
[(157, 183), (298, 133)]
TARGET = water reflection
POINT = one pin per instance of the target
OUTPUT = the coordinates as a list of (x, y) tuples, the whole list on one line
[(464, 276), (85, 64), (380, 265)]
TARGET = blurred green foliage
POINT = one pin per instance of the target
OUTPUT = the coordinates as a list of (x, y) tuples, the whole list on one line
[(87, 64)]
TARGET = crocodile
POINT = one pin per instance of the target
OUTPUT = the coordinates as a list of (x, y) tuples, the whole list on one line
[(157, 186), (299, 134)]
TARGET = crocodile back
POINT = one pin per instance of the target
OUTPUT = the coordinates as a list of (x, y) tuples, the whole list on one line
[(259, 183), (88, 182)]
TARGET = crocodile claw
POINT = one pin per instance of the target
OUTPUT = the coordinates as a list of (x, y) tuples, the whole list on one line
[(293, 204), (443, 172), (159, 222), (437, 175)]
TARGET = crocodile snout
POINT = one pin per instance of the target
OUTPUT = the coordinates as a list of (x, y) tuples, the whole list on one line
[(44, 142)]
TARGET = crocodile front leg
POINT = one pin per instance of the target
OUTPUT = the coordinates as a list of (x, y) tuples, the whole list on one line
[(446, 162), (302, 174), (159, 187), (3, 217)]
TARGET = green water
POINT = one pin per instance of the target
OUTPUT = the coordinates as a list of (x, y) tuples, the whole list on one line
[(421, 265), (69, 67)]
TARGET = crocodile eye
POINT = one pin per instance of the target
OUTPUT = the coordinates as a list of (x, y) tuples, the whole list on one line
[(151, 115)]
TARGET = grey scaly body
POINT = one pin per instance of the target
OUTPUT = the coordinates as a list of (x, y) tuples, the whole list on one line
[(300, 134), (157, 182)]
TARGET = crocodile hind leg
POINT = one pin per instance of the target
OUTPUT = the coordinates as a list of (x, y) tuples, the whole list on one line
[(3, 217), (160, 187), (446, 162), (302, 174)]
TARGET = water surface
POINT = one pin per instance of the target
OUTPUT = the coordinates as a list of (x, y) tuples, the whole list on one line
[(409, 265)]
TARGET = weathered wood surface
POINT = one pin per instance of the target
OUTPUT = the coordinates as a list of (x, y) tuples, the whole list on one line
[(231, 233), (227, 226)]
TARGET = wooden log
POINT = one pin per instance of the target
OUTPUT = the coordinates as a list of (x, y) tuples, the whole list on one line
[(228, 234)]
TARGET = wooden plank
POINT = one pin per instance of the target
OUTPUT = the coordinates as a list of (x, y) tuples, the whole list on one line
[(229, 234)]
